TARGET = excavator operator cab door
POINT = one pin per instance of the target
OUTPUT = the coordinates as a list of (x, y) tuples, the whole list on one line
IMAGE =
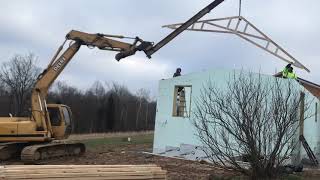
[(61, 120), (67, 120)]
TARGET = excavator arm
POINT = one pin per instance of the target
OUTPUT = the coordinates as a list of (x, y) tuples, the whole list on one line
[(57, 64), (103, 41)]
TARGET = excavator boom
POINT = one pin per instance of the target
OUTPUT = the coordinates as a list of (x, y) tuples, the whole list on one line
[(56, 66)]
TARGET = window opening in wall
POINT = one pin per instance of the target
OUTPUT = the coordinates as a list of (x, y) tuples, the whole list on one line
[(182, 101)]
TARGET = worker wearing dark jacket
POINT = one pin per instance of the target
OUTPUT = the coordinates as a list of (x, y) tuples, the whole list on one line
[(288, 72), (177, 73)]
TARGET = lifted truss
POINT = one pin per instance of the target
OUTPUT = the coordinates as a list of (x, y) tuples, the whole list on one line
[(241, 27)]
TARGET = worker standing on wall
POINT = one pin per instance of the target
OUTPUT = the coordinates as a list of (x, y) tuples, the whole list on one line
[(180, 95), (177, 73), (288, 72)]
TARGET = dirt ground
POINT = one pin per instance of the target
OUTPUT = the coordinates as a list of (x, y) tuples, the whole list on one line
[(132, 154), (117, 150)]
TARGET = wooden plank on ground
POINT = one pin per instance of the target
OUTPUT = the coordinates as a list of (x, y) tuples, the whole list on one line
[(49, 172)]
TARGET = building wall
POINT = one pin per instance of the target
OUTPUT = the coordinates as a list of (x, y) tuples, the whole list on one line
[(312, 127), (173, 131)]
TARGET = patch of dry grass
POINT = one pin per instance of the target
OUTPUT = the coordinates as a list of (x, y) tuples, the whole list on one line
[(108, 135)]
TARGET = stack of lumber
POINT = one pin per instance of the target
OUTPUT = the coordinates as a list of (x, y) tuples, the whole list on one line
[(82, 172)]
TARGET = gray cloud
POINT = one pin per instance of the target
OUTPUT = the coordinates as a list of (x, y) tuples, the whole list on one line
[(40, 27)]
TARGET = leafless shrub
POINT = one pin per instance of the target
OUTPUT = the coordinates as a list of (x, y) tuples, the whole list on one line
[(253, 118)]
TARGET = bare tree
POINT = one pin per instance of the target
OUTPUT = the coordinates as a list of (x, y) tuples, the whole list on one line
[(143, 96), (254, 117), (98, 94), (66, 91), (5, 102), (19, 75), (3, 88), (98, 89), (121, 96), (120, 90)]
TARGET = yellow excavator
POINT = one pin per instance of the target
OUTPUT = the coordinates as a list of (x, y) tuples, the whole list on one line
[(39, 136), (43, 135)]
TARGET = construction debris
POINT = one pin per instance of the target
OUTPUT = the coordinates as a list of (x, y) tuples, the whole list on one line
[(79, 172)]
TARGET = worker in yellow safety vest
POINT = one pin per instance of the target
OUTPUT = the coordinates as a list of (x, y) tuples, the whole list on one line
[(288, 72)]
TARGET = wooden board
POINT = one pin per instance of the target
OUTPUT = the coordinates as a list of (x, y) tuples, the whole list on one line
[(81, 172)]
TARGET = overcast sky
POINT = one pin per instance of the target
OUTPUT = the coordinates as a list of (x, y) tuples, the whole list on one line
[(40, 27)]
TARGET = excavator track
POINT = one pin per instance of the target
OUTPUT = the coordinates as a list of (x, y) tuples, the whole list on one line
[(10, 150), (39, 152)]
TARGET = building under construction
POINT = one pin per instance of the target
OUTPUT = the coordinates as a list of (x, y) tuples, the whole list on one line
[(175, 134)]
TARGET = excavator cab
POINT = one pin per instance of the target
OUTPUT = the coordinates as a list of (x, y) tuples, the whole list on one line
[(61, 120)]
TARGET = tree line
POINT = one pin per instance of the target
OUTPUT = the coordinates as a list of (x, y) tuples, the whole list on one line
[(104, 107)]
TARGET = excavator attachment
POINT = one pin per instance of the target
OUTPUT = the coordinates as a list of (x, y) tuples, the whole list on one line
[(143, 46), (241, 27), (104, 42)]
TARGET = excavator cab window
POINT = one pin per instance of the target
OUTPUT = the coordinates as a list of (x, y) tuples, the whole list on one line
[(68, 119), (55, 117), (66, 115)]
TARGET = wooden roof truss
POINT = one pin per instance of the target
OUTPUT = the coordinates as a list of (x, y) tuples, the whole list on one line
[(241, 27)]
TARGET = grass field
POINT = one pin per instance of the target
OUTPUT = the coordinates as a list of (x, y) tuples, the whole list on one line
[(119, 140), (108, 135)]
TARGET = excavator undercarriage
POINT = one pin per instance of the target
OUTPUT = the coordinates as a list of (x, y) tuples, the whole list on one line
[(35, 153)]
